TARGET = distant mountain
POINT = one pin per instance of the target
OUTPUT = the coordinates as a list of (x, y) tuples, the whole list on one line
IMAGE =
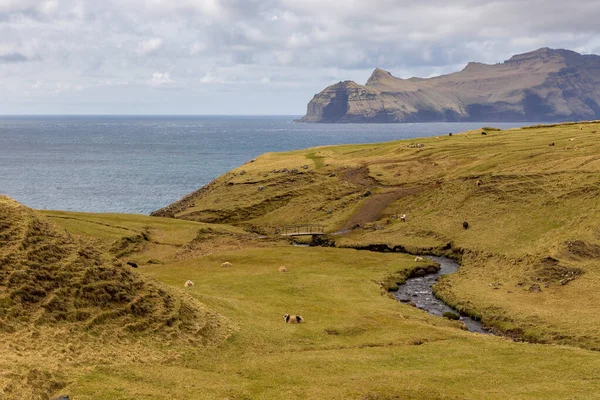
[(542, 85)]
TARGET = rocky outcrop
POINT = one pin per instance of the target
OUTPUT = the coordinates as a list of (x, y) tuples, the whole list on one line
[(543, 85)]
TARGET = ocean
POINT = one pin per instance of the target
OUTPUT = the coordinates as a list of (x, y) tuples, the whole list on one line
[(137, 164)]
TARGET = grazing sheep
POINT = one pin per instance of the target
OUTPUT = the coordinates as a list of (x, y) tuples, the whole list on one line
[(188, 283), (581, 128), (132, 264), (466, 225), (570, 140), (293, 319), (479, 182), (551, 144), (226, 264), (282, 269), (418, 258), (483, 133)]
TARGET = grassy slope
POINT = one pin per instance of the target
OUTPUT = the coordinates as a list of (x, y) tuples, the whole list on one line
[(65, 306), (152, 239), (534, 200), (358, 343)]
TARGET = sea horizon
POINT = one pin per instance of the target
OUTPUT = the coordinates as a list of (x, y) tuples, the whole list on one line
[(140, 163)]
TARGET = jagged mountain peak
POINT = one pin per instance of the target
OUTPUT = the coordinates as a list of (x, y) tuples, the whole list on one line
[(380, 76), (541, 85)]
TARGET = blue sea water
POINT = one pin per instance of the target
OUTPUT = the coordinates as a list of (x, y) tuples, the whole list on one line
[(137, 164)]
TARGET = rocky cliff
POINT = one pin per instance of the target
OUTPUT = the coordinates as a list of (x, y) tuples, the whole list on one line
[(542, 85)]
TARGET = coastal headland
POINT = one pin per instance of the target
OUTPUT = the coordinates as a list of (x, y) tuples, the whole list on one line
[(541, 85)]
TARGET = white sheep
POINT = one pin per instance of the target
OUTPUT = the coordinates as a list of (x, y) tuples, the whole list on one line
[(293, 319)]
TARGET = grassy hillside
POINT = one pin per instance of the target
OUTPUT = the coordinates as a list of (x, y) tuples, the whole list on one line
[(529, 268), (356, 342), (530, 196), (145, 240), (61, 299)]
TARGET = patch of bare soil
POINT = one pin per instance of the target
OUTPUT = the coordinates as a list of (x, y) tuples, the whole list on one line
[(373, 207), (581, 249), (360, 177), (550, 272)]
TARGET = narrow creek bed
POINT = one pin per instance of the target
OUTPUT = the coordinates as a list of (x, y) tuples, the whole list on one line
[(418, 291)]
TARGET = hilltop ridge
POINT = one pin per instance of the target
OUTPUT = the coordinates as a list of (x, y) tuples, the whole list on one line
[(541, 85)]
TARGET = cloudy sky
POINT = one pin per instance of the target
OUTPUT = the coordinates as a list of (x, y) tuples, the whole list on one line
[(255, 56)]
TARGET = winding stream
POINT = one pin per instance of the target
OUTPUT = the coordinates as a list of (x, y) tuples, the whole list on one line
[(418, 291)]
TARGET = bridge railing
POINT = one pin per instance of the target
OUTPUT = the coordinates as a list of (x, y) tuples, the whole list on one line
[(305, 229)]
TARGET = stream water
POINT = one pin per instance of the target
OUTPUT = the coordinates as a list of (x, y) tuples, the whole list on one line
[(419, 291)]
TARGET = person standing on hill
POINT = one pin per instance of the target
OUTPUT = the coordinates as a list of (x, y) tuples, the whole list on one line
[(403, 217)]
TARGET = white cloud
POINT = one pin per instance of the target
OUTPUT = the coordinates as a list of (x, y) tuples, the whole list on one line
[(209, 77), (159, 79), (297, 44), (148, 47), (196, 48)]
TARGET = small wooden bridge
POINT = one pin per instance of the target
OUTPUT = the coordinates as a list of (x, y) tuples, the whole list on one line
[(302, 230)]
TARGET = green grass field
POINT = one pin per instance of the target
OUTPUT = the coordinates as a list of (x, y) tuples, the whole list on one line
[(356, 342), (529, 260), (528, 195)]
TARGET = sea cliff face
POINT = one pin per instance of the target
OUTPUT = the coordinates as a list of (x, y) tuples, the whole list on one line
[(543, 85)]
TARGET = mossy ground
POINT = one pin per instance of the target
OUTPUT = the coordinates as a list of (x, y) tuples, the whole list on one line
[(533, 221)]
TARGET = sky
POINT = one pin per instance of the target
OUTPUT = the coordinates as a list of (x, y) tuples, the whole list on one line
[(264, 57)]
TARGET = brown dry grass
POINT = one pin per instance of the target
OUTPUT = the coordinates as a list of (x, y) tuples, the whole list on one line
[(62, 299)]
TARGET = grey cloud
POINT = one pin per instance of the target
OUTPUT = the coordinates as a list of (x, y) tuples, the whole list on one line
[(13, 58), (213, 44)]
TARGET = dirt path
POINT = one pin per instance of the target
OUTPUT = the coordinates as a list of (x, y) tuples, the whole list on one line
[(373, 207), (360, 177)]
